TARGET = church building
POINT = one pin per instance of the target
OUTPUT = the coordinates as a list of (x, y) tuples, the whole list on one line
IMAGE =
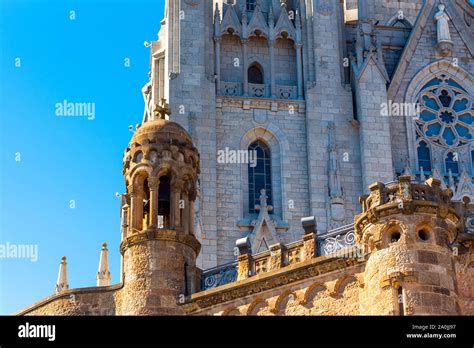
[(297, 157)]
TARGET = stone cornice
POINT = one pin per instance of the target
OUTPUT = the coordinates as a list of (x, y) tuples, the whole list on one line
[(269, 280), (165, 235)]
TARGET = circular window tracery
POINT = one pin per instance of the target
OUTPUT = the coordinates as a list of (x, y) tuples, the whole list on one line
[(446, 113)]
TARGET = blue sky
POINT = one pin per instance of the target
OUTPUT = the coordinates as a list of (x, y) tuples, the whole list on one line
[(66, 158)]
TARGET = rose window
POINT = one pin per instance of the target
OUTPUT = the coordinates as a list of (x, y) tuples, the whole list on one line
[(446, 113)]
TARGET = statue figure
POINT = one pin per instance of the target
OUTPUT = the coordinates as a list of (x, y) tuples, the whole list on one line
[(445, 43), (442, 24), (146, 91)]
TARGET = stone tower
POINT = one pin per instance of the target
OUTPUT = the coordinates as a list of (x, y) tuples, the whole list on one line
[(409, 230), (158, 246)]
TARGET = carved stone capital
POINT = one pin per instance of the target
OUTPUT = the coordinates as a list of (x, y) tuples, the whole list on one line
[(153, 183)]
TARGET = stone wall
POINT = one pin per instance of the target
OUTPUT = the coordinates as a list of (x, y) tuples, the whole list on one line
[(464, 266), (85, 301), (283, 129)]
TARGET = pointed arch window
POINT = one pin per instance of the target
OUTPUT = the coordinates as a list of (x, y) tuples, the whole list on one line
[(424, 157), (259, 175), (255, 74), (451, 162), (251, 5)]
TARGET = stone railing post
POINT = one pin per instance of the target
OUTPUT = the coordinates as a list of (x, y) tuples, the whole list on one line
[(244, 261), (276, 256)]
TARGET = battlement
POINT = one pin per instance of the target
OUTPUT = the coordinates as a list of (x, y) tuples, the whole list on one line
[(406, 197)]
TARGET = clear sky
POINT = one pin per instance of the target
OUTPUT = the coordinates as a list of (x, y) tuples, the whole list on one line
[(66, 158)]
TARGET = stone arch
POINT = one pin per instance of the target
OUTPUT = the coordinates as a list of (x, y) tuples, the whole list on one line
[(140, 170), (256, 305), (233, 311), (164, 169), (262, 64), (342, 283), (256, 73), (311, 292), (280, 304), (392, 232), (395, 19), (443, 66), (277, 143), (428, 228)]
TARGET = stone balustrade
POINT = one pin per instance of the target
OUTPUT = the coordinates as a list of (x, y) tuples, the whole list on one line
[(235, 89)]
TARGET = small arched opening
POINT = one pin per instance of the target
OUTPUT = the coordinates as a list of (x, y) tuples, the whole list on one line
[(164, 202), (255, 74)]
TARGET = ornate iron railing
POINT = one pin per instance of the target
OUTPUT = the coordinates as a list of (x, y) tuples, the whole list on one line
[(336, 239), (220, 275)]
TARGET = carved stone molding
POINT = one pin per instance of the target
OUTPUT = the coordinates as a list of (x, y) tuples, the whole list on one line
[(164, 235)]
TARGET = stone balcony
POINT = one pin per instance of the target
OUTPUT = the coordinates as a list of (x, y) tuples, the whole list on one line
[(280, 256), (235, 89)]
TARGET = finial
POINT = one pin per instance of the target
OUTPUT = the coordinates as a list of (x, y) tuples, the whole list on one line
[(62, 283), (263, 198), (422, 175), (103, 274), (271, 19), (407, 169), (451, 180)]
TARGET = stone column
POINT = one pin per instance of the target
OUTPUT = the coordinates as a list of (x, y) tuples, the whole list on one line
[(191, 200), (154, 185), (244, 65), (217, 41), (176, 187), (185, 221), (125, 221), (271, 46), (136, 202), (299, 69)]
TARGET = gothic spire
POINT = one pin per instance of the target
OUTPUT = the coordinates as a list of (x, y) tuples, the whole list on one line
[(62, 283), (103, 274)]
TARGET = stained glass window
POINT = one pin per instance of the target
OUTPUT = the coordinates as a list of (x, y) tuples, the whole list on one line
[(424, 157), (452, 163), (446, 113), (260, 176)]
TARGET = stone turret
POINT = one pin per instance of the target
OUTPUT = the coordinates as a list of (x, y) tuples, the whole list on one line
[(159, 249), (409, 230)]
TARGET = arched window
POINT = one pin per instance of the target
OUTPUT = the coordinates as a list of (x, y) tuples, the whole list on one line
[(472, 162), (259, 174), (424, 157), (251, 5), (255, 74), (164, 203), (451, 162)]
